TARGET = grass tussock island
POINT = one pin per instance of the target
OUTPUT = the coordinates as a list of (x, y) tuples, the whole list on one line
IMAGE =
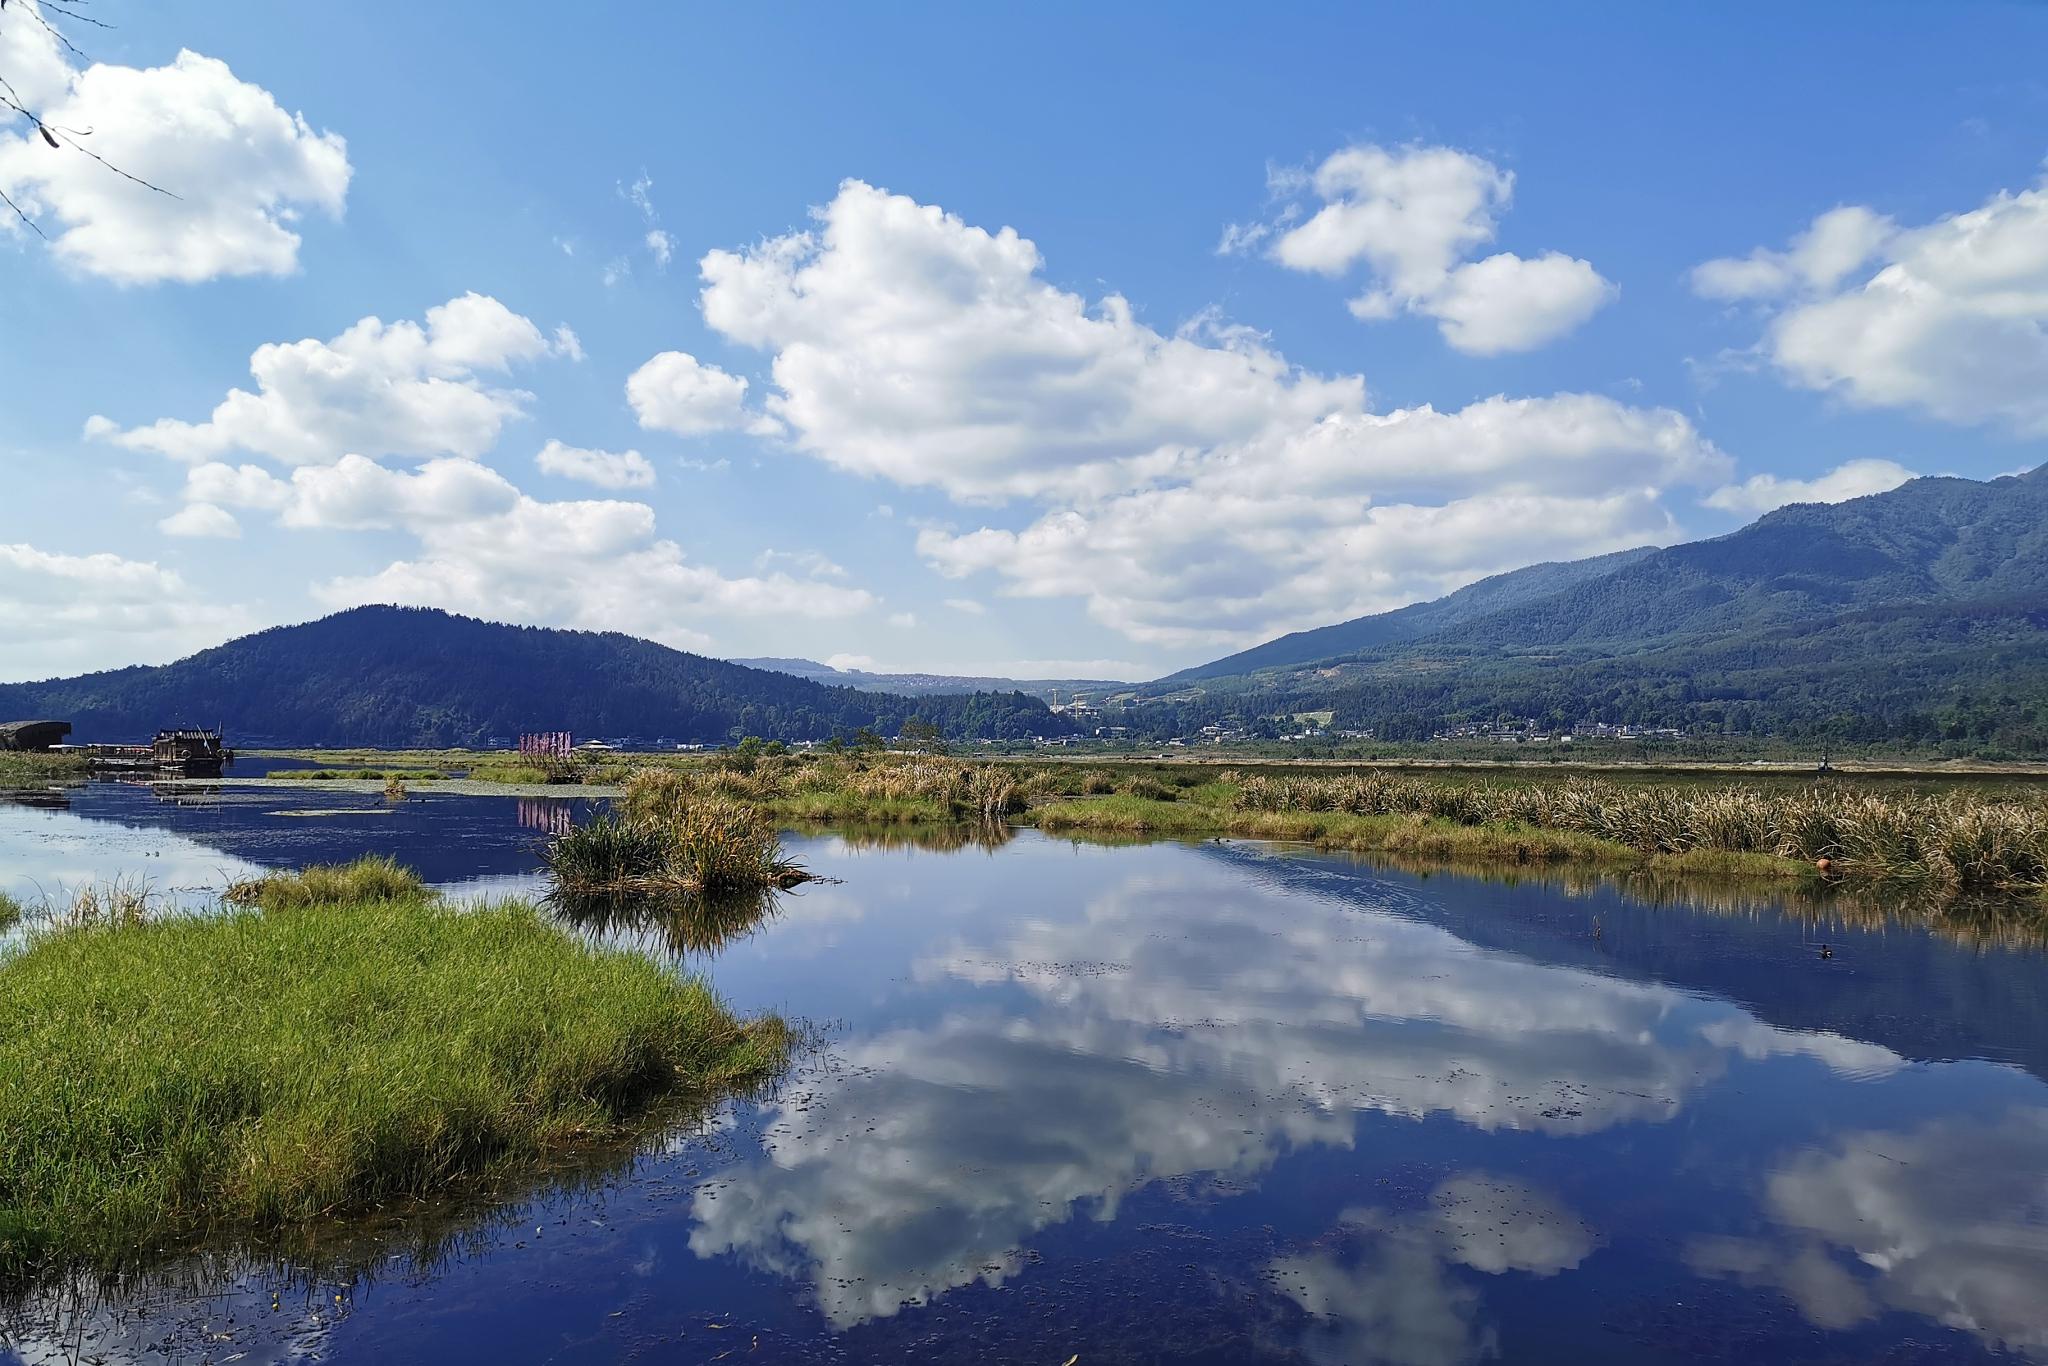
[(1964, 842), (668, 837), (330, 1042)]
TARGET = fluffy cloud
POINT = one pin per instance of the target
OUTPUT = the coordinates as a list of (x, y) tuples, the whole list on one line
[(239, 169), (1511, 303), (379, 388), (1200, 490), (1836, 243), (1949, 319), (488, 549), (60, 613), (1290, 534), (1852, 479), (202, 520), (676, 392), (1412, 215), (913, 346), (606, 469)]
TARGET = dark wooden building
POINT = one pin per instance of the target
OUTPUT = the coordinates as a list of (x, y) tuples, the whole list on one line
[(36, 735)]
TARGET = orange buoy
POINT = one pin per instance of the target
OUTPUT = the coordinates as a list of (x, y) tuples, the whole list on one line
[(1824, 864)]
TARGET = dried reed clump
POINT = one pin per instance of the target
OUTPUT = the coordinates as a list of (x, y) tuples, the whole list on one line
[(671, 835), (1956, 840)]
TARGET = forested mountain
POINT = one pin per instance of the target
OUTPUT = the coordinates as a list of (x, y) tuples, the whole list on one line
[(1920, 614), (919, 684), (414, 676), (1418, 619)]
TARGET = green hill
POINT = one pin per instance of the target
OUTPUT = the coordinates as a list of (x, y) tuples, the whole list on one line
[(395, 676)]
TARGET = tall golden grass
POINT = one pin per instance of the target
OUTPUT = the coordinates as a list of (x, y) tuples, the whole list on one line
[(1954, 840)]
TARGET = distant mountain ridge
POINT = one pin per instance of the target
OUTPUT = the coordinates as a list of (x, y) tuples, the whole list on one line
[(1499, 592), (1920, 610), (401, 676), (920, 684)]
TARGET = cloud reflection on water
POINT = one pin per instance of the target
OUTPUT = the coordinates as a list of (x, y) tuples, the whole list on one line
[(1398, 1302), (1948, 1220), (1197, 1024)]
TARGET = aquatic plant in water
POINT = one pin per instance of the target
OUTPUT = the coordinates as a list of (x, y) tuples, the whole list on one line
[(670, 840)]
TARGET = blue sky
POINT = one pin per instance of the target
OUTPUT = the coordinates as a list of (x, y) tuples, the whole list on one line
[(1502, 283)]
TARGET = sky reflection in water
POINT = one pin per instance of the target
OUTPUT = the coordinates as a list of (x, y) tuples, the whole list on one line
[(1223, 1103)]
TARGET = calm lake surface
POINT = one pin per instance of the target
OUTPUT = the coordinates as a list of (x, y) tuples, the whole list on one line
[(1221, 1103)]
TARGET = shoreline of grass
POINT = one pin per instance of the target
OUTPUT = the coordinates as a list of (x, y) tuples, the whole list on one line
[(1847, 830), (24, 768), (1411, 835), (1959, 841), (321, 1049)]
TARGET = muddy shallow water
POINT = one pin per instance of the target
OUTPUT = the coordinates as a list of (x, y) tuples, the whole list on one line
[(1216, 1102)]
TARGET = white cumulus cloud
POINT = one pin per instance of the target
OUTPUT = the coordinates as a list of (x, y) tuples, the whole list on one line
[(916, 347), (676, 392), (379, 388), (1852, 479), (240, 171), (1356, 514), (201, 520), (60, 613), (1195, 489), (488, 549), (1949, 319), (1412, 216), (606, 469)]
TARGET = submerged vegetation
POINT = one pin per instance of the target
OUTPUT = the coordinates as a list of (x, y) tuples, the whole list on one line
[(336, 1040)]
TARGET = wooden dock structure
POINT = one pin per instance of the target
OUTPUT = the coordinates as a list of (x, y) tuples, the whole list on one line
[(186, 752)]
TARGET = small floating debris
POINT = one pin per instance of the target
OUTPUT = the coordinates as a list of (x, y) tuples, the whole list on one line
[(337, 811)]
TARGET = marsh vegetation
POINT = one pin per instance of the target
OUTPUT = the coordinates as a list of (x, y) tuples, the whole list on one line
[(327, 1043), (668, 836), (27, 768), (1959, 841)]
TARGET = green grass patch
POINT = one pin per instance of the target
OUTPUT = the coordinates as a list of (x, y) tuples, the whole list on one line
[(369, 878), (11, 912), (495, 772), (23, 769), (268, 1067)]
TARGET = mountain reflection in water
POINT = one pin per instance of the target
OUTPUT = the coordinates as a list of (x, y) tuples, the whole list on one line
[(1224, 1103)]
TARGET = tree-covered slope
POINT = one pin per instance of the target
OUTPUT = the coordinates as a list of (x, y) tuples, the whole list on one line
[(1498, 593), (1920, 614), (1925, 542), (412, 676)]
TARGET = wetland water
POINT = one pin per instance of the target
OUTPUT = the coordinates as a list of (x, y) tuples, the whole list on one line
[(1220, 1102)]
